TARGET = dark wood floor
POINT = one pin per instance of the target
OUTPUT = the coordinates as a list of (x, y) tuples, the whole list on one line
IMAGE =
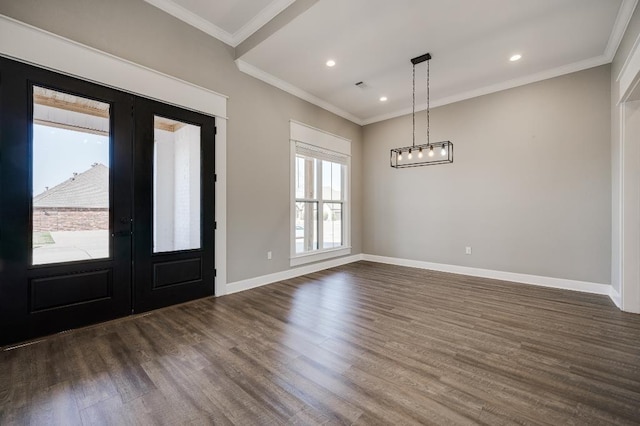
[(364, 344)]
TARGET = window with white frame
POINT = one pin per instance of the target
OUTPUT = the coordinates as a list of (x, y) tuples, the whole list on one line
[(320, 196)]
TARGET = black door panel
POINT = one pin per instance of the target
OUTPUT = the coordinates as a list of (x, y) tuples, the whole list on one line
[(39, 299), (166, 276)]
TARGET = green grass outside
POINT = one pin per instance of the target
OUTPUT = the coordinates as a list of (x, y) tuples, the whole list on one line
[(42, 238)]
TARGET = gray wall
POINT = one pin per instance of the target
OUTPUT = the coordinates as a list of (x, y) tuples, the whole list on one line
[(529, 190), (258, 127), (630, 36)]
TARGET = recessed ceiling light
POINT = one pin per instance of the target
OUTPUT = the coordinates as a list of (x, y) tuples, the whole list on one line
[(331, 63), (515, 58), (383, 99)]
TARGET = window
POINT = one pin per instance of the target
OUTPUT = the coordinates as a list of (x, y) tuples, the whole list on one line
[(320, 207)]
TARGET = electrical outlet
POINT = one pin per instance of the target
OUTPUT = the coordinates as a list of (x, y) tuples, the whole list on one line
[(467, 250), (268, 255)]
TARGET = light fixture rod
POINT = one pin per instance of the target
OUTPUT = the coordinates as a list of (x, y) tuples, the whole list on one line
[(428, 100), (413, 108), (415, 61)]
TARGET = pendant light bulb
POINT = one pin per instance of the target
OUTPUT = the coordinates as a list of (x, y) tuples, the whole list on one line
[(400, 156), (430, 150), (410, 155), (420, 153), (443, 150)]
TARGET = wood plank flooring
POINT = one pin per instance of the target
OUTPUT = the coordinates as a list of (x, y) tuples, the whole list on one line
[(365, 343)]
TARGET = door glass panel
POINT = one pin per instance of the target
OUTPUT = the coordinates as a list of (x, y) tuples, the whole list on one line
[(176, 186), (70, 177)]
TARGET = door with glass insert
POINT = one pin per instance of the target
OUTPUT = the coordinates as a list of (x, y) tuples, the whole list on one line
[(66, 202), (174, 205)]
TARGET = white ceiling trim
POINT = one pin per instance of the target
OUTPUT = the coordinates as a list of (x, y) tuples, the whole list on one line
[(294, 90), (233, 40), (628, 80), (192, 19), (622, 21), (267, 14), (509, 84), (626, 62), (619, 27), (625, 66)]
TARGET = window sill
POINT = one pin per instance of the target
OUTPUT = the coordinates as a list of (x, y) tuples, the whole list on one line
[(317, 256)]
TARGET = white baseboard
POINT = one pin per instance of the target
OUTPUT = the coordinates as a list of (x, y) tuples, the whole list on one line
[(615, 297), (561, 283), (250, 283)]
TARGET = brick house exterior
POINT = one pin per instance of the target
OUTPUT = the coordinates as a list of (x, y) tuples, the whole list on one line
[(80, 203), (69, 219)]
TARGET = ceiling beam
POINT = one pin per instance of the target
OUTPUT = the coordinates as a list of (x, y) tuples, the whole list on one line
[(273, 26)]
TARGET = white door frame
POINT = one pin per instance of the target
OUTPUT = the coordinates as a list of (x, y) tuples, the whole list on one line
[(627, 267)]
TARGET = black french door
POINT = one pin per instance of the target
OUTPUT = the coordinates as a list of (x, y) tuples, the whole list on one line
[(174, 205), (104, 205), (46, 286)]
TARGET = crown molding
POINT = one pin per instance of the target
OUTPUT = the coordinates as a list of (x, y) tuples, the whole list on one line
[(627, 60), (294, 90), (625, 66), (509, 84), (619, 27), (192, 19), (267, 14), (233, 40)]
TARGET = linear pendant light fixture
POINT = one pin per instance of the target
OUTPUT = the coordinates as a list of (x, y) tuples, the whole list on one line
[(426, 154)]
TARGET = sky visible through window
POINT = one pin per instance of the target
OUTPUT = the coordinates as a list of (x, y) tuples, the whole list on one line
[(59, 153)]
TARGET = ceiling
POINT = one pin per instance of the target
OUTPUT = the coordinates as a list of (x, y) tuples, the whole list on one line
[(373, 40)]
